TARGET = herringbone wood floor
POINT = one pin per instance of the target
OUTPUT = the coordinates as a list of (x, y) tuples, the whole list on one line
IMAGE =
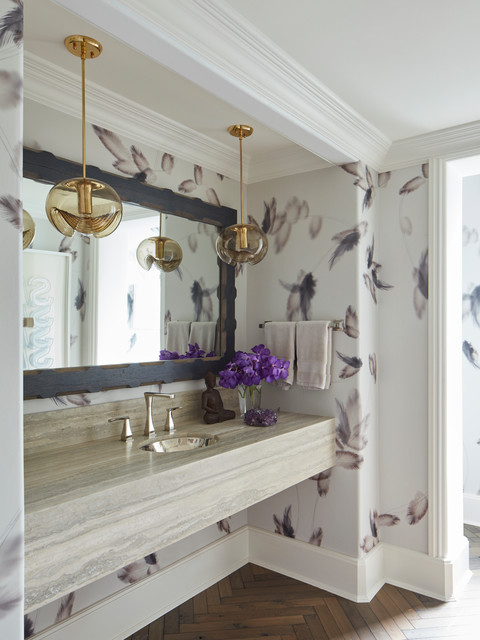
[(255, 603)]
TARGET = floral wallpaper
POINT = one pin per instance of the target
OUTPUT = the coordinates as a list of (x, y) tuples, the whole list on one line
[(333, 261), (471, 345), (345, 243), (11, 511)]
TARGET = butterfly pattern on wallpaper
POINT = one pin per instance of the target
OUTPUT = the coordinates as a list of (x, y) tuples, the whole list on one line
[(11, 25), (301, 295), (202, 300), (350, 439), (139, 569), (364, 180), (413, 514), (134, 163), (279, 224), (284, 527), (11, 551), (371, 277)]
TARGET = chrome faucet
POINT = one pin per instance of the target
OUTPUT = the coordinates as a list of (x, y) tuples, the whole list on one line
[(149, 428), (169, 424), (126, 431)]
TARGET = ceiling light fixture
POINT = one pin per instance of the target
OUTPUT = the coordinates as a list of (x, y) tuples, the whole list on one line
[(163, 253), (88, 206), (241, 243)]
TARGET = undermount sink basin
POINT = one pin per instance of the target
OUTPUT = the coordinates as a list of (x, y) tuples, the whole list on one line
[(173, 443)]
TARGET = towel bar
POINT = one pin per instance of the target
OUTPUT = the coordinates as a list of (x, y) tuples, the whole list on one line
[(337, 325)]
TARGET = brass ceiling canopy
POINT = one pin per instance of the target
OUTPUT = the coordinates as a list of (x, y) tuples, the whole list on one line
[(88, 206), (241, 243)]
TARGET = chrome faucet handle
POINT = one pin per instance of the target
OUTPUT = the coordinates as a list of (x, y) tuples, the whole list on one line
[(169, 424), (149, 430), (126, 431)]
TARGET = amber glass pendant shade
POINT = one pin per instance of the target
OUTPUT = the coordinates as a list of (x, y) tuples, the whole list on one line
[(28, 230), (241, 243), (88, 206), (162, 253)]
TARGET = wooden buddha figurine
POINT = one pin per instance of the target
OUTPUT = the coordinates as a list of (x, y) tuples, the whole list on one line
[(212, 402)]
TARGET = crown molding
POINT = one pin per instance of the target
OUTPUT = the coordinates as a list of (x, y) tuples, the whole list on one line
[(288, 161), (453, 142), (211, 44), (58, 89)]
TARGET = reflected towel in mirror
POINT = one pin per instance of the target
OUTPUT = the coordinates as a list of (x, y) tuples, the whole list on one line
[(178, 332), (203, 334)]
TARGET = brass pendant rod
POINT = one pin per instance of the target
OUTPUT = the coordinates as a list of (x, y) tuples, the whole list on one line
[(84, 55), (241, 180)]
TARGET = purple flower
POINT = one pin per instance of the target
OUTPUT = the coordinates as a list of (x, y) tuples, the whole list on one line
[(168, 355), (249, 369), (194, 351)]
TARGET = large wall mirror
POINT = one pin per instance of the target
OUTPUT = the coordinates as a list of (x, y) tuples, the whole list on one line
[(99, 320)]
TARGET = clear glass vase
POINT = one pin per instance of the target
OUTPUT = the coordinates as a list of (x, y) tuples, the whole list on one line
[(249, 397)]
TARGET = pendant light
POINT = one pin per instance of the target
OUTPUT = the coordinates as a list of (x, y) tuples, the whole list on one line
[(28, 229), (241, 243), (80, 204), (163, 253)]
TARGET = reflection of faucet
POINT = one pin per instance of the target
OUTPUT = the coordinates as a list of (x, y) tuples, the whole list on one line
[(149, 428), (169, 425)]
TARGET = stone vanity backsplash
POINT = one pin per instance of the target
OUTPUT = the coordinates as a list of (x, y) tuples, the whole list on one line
[(70, 426)]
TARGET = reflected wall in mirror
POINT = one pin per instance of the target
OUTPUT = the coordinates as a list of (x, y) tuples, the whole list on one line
[(100, 305), (95, 308)]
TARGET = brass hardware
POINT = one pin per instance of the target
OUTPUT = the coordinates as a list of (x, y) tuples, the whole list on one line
[(241, 243), (83, 46), (79, 204), (28, 323)]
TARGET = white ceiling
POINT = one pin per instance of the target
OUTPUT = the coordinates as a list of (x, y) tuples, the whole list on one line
[(309, 76), (408, 67)]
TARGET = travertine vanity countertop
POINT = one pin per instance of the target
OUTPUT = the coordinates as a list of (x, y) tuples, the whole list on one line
[(93, 507)]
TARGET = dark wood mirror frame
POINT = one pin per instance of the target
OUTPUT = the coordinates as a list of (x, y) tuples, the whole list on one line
[(45, 383)]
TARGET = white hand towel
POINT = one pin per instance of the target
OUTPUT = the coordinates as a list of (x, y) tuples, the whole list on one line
[(280, 339), (177, 336), (314, 354), (203, 333)]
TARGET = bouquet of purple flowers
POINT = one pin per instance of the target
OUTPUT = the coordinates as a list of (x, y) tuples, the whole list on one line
[(247, 370), (194, 351)]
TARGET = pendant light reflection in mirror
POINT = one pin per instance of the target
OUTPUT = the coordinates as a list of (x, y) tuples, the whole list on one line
[(28, 230), (88, 206), (241, 243), (160, 252)]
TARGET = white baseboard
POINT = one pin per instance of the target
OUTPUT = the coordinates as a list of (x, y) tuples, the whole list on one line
[(471, 509), (357, 579), (123, 613), (438, 578)]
